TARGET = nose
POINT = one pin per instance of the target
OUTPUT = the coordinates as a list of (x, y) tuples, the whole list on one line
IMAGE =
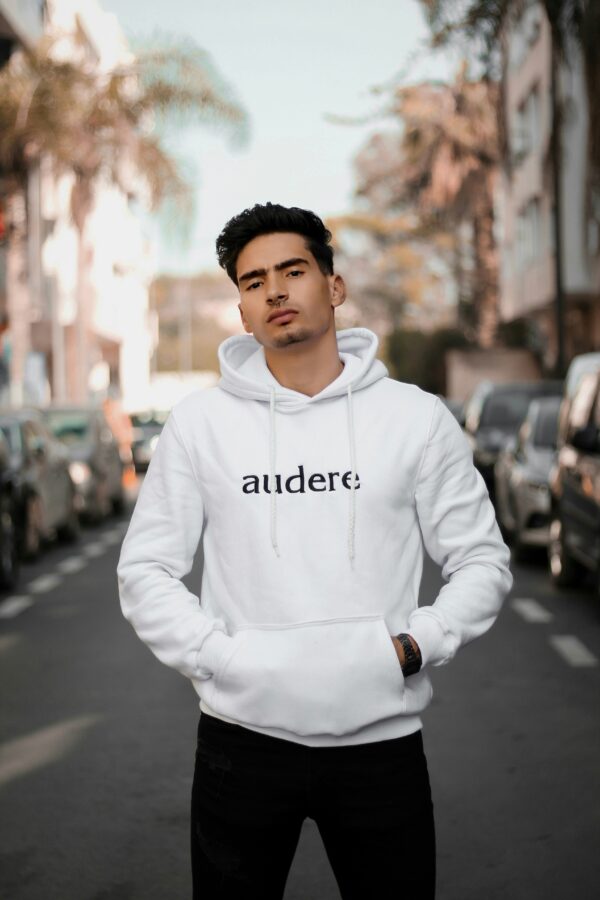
[(276, 291)]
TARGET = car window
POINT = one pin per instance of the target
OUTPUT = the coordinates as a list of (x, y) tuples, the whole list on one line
[(546, 427), (69, 426), (505, 410)]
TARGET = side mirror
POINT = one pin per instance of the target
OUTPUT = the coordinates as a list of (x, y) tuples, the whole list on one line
[(586, 439)]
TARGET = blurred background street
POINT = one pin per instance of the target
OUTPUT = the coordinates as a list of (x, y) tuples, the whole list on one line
[(98, 747), (453, 150)]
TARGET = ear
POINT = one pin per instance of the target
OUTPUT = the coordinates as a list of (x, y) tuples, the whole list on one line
[(247, 327), (337, 290)]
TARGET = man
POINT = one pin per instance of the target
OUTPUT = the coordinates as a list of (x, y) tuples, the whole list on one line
[(315, 482)]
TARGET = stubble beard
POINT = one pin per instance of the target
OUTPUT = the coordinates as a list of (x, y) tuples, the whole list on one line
[(292, 336)]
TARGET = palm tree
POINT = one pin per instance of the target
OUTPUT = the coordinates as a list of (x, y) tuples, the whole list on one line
[(98, 126), (442, 165), (575, 29)]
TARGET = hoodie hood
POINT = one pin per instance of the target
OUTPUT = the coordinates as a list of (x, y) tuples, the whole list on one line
[(245, 373), (244, 370)]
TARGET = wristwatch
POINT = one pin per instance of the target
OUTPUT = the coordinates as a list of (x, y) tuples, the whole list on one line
[(412, 660)]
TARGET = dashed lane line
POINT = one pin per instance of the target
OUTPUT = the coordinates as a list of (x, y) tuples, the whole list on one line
[(71, 564), (113, 537), (44, 583), (12, 606), (573, 651), (17, 603), (531, 610), (94, 548)]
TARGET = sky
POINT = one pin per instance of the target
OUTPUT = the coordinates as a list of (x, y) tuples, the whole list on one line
[(290, 65)]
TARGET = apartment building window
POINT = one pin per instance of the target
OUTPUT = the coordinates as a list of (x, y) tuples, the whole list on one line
[(526, 130), (529, 233)]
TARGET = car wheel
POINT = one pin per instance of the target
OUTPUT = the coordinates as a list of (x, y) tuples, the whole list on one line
[(564, 570), (9, 556), (32, 543)]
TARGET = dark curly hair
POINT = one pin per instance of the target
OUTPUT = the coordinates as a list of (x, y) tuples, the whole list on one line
[(268, 219)]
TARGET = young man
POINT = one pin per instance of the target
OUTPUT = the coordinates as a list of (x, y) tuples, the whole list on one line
[(314, 481)]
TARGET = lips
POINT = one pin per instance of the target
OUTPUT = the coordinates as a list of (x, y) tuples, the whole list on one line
[(281, 313)]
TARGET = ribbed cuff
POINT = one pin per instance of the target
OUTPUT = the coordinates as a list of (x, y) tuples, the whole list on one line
[(213, 650), (429, 635)]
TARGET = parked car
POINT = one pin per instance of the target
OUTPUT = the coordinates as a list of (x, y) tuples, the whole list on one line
[(45, 495), (522, 475), (95, 462), (574, 542), (9, 551), (579, 366), (147, 426), (494, 413)]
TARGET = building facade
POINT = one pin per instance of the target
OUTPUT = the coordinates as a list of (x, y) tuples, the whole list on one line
[(526, 206), (79, 328)]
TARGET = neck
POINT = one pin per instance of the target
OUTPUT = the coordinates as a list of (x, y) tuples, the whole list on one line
[(306, 367)]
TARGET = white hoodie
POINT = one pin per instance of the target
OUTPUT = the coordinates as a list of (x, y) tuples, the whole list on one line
[(303, 586)]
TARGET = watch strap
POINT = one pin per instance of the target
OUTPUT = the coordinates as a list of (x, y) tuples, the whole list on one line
[(412, 659)]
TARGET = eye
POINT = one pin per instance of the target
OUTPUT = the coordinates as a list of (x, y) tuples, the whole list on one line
[(296, 272), (253, 285)]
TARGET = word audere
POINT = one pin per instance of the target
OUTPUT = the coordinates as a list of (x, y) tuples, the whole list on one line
[(298, 483)]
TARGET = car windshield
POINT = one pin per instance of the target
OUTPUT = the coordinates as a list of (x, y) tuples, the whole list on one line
[(69, 426), (546, 428), (505, 410)]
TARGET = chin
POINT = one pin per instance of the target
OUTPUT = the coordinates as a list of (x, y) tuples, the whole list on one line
[(292, 336)]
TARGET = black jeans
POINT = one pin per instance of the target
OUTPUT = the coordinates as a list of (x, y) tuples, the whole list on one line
[(251, 793)]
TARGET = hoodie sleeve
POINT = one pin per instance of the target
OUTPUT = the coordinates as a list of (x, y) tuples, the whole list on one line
[(460, 532), (158, 550)]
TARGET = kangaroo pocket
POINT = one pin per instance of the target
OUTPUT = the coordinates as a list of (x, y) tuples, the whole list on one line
[(326, 677)]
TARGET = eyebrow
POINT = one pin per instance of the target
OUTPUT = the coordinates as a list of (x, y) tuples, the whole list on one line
[(260, 273)]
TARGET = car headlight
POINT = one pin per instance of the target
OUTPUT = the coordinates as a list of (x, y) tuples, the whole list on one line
[(80, 472)]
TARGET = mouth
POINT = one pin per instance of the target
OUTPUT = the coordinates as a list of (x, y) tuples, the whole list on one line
[(282, 316)]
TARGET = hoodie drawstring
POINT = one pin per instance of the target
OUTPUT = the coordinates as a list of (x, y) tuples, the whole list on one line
[(352, 514), (273, 482)]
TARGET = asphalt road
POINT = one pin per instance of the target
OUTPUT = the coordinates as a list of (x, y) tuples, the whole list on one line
[(97, 742)]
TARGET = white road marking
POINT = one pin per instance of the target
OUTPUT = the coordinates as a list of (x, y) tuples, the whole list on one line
[(94, 548), (112, 537), (572, 650), (44, 583), (71, 564), (23, 755), (531, 610), (12, 606)]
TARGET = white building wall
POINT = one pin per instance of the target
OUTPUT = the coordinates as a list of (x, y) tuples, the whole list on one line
[(525, 199), (121, 267)]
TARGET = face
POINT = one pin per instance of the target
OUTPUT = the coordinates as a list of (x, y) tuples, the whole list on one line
[(277, 272)]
